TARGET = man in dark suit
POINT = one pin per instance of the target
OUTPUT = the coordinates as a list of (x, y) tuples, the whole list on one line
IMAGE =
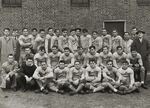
[(142, 46)]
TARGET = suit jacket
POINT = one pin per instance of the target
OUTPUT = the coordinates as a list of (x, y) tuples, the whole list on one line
[(141, 47)]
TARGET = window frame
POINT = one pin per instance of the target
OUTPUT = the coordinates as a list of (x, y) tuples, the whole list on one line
[(9, 4), (80, 4), (143, 2)]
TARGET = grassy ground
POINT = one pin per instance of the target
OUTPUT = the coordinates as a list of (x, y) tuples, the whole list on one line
[(52, 100)]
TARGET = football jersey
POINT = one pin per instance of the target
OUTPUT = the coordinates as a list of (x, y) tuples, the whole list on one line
[(97, 43), (93, 72), (61, 74), (111, 73), (38, 58), (106, 57), (67, 59), (80, 58), (77, 74), (54, 58)]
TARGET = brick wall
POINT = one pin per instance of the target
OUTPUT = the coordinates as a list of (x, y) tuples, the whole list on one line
[(58, 14)]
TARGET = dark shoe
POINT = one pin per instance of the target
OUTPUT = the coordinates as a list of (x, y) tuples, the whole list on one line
[(14, 89), (37, 91), (120, 92), (60, 92), (72, 93), (137, 90), (45, 91), (144, 86)]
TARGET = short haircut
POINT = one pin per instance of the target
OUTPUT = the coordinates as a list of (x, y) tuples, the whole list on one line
[(79, 47), (119, 47), (50, 28), (10, 55), (64, 29), (92, 60), (84, 30), (24, 29), (42, 48), (72, 30), (94, 32), (125, 61), (109, 61), (41, 30), (105, 47), (66, 48), (77, 61), (56, 30), (115, 30), (92, 47), (78, 29), (6, 29), (34, 29), (134, 27), (133, 49), (55, 46), (62, 61), (28, 57)]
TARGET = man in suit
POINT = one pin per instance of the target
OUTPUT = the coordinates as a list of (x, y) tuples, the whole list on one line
[(142, 46)]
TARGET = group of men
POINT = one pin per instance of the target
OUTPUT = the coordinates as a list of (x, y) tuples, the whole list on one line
[(74, 62)]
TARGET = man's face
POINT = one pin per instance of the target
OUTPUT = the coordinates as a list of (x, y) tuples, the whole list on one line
[(77, 65), (92, 50), (50, 31), (29, 62), (41, 52), (34, 32), (42, 34), (104, 32), (15, 33), (140, 35), (27, 50), (67, 52), (125, 66), (25, 32), (126, 36), (105, 50), (119, 50), (64, 33), (73, 33), (114, 33), (6, 32), (54, 50), (43, 65), (94, 35), (57, 32), (10, 59), (92, 64), (78, 32), (134, 53), (134, 31), (80, 51), (109, 65), (61, 65)]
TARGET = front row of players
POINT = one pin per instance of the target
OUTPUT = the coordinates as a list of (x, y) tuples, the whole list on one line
[(63, 79)]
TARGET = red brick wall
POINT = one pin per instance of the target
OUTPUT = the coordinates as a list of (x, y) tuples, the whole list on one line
[(58, 14)]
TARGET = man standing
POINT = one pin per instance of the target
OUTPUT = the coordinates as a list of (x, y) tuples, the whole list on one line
[(141, 45), (7, 45)]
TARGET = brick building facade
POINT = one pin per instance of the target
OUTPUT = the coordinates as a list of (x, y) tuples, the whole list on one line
[(60, 13)]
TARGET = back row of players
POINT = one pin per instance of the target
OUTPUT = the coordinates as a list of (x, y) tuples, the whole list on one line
[(90, 62)]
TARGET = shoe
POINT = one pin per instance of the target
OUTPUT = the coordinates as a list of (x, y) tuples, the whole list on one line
[(37, 91), (120, 92), (137, 90), (144, 86), (72, 93), (44, 91), (60, 92)]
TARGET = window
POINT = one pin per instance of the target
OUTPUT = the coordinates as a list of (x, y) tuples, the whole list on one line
[(143, 2), (80, 3), (12, 3)]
